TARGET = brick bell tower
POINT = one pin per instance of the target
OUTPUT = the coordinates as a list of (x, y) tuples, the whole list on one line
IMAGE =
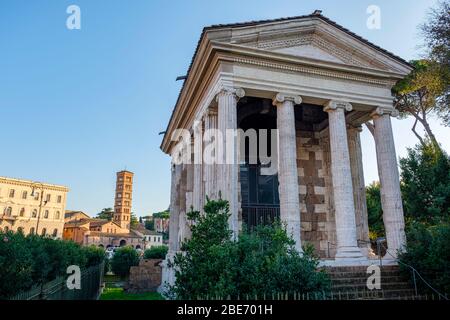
[(122, 202)]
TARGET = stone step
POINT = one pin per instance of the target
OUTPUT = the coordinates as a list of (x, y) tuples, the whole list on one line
[(358, 269), (350, 280), (363, 286)]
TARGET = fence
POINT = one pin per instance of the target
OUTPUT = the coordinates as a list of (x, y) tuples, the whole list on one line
[(329, 295), (91, 281)]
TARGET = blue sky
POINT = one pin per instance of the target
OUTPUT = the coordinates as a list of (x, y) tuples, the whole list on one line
[(78, 105)]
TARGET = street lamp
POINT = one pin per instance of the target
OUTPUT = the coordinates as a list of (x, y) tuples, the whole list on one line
[(34, 186)]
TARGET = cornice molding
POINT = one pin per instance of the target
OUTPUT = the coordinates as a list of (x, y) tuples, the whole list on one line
[(29, 184), (312, 70)]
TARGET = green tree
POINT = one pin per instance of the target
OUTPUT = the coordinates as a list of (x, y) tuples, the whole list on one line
[(156, 252), (427, 251), (16, 265), (418, 95), (32, 260), (260, 263), (163, 214), (123, 259), (436, 35), (425, 175), (150, 225), (133, 220), (106, 213), (374, 211)]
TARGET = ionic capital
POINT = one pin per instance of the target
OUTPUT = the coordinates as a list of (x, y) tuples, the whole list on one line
[(282, 97), (379, 111), (237, 93), (337, 104)]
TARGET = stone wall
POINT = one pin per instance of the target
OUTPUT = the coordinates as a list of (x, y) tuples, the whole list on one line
[(317, 224), (145, 277)]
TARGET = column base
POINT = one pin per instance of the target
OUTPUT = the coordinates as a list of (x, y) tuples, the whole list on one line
[(168, 274), (349, 253)]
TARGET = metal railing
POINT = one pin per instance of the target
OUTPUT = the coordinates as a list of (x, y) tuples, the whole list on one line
[(91, 281), (254, 215), (414, 273)]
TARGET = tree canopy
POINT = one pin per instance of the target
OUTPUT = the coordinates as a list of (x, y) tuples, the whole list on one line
[(106, 213)]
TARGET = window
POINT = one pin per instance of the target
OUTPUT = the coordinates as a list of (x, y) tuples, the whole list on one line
[(11, 193), (55, 232), (5, 229), (59, 200), (19, 230), (46, 214), (22, 212), (44, 232), (8, 211), (119, 195), (31, 230), (36, 196), (57, 215), (48, 197), (127, 187), (24, 195), (128, 179), (34, 213)]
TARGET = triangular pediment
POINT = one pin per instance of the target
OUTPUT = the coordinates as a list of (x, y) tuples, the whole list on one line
[(309, 51), (314, 38)]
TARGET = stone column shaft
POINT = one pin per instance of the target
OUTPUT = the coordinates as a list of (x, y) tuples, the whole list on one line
[(391, 201), (197, 193), (347, 248), (287, 166), (228, 172), (210, 169), (359, 188), (174, 208)]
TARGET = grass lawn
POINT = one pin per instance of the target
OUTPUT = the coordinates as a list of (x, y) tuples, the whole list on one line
[(119, 294)]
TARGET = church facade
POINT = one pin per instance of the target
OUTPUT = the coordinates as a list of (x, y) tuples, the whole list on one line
[(305, 85)]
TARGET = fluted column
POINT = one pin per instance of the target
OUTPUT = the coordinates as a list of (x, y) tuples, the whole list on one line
[(197, 194), (391, 200), (347, 247), (287, 165), (228, 178), (209, 168), (174, 208), (359, 189)]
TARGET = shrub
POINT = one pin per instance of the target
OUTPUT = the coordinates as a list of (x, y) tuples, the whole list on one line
[(426, 184), (427, 251), (123, 259), (156, 252), (374, 211), (260, 263), (31, 260)]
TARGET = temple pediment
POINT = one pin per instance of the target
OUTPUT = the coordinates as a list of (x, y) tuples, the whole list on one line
[(310, 37)]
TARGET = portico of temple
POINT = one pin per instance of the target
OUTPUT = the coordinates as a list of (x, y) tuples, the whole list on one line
[(315, 83)]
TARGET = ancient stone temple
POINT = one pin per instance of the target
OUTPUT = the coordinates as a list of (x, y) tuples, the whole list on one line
[(315, 83)]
